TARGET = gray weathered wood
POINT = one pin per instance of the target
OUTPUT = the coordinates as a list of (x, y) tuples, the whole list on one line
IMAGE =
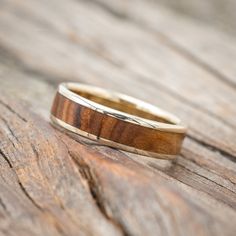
[(220, 14)]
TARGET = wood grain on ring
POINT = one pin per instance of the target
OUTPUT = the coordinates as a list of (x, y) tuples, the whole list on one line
[(115, 129)]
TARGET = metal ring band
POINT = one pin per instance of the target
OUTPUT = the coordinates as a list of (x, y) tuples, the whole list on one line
[(117, 120)]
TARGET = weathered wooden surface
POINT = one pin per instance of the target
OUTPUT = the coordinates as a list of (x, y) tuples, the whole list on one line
[(53, 185), (220, 14)]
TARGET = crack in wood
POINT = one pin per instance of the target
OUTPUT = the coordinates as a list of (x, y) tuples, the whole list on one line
[(28, 195), (207, 169), (205, 177), (185, 182), (210, 147), (9, 128), (232, 204), (13, 111), (3, 205), (6, 159), (95, 190), (19, 182), (35, 151)]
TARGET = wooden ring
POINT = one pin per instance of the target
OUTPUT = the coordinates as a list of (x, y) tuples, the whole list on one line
[(117, 120)]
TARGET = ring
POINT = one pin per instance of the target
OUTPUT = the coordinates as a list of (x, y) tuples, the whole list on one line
[(117, 120)]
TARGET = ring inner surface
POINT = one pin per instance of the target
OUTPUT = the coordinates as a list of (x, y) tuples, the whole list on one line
[(122, 105)]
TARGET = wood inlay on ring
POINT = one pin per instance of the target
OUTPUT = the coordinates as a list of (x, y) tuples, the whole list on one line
[(112, 128)]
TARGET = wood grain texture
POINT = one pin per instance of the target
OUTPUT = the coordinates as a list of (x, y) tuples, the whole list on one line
[(53, 185), (219, 14)]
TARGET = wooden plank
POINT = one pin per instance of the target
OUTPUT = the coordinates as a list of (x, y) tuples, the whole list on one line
[(209, 164), (96, 71), (80, 187), (149, 59), (70, 187)]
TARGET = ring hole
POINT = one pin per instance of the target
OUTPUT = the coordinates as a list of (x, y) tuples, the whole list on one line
[(121, 105)]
